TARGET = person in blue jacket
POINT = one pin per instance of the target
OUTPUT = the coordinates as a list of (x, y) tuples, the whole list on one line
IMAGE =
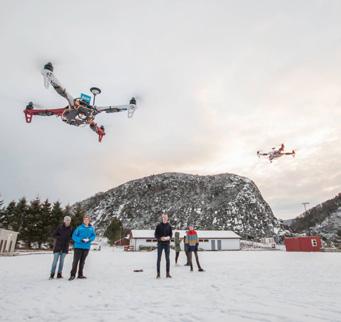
[(82, 237)]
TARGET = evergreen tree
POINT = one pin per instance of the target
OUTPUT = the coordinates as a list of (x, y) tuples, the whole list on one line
[(78, 214), (114, 231), (57, 215), (2, 213), (56, 218), (43, 223), (31, 226), (17, 220), (68, 211), (7, 214), (1, 205)]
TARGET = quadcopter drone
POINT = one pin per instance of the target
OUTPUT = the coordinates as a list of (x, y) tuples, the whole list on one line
[(276, 153), (79, 111)]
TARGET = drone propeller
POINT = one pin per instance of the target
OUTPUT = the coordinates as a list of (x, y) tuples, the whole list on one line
[(139, 98), (31, 106), (132, 108)]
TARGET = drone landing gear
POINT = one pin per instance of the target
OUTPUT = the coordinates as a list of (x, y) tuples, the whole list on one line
[(101, 133), (28, 117), (28, 113), (99, 130)]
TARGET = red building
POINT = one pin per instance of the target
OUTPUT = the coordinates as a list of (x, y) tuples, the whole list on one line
[(303, 244)]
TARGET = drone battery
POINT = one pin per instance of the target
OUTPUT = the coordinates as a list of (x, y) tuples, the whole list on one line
[(85, 98)]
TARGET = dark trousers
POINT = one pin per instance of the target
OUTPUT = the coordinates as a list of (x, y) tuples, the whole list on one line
[(79, 256), (160, 248), (196, 258), (187, 255), (176, 257)]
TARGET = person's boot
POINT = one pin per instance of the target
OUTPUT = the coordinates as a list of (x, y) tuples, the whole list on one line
[(158, 275), (71, 278), (201, 270), (168, 275), (81, 277), (51, 276), (186, 264), (191, 268), (59, 275)]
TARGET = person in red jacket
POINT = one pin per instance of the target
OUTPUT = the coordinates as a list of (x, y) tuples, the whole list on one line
[(193, 243)]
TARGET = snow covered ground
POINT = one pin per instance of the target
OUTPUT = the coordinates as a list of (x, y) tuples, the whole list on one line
[(237, 286)]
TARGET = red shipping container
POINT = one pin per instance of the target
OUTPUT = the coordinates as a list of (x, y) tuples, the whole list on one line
[(303, 244)]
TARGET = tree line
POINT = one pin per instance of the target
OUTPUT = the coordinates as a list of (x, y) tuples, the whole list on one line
[(36, 220)]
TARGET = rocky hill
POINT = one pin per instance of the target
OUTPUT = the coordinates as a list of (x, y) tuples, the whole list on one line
[(224, 201), (324, 220)]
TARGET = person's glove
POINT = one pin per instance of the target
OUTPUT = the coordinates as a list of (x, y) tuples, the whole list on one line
[(85, 240), (165, 238)]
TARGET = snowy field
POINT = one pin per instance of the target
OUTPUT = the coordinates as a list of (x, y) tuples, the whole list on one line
[(237, 286)]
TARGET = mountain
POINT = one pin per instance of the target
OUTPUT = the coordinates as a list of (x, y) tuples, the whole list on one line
[(224, 201), (324, 220)]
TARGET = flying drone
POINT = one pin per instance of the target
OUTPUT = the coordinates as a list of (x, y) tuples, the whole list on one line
[(275, 153), (79, 111)]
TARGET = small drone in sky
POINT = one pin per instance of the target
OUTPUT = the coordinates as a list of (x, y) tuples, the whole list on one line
[(79, 111), (275, 153)]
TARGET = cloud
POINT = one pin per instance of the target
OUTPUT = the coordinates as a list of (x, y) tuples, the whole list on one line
[(215, 83)]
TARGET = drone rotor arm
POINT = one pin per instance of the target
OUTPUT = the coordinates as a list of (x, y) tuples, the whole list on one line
[(116, 108), (31, 110), (51, 79)]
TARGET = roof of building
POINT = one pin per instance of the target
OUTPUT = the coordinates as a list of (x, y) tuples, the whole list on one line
[(7, 231), (223, 234)]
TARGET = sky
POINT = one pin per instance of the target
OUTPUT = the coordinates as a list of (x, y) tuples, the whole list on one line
[(215, 82)]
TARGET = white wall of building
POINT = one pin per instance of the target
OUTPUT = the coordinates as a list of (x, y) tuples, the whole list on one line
[(136, 243), (8, 240), (146, 238), (220, 244)]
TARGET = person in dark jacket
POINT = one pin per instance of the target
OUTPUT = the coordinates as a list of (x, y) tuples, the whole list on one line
[(193, 243), (163, 234), (83, 236), (62, 237)]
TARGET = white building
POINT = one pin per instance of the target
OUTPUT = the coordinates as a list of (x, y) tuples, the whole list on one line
[(208, 239), (8, 238), (269, 241)]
